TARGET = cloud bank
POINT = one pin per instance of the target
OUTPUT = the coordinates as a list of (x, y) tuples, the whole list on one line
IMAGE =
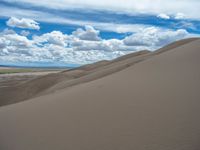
[(83, 46)]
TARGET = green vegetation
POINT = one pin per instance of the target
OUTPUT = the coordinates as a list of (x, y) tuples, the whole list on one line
[(9, 71)]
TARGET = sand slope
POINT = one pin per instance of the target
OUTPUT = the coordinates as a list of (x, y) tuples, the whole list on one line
[(150, 105)]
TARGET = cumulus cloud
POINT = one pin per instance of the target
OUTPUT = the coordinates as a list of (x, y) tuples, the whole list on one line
[(155, 37), (54, 47), (14, 46), (163, 16), (23, 23), (54, 37), (89, 34), (18, 41)]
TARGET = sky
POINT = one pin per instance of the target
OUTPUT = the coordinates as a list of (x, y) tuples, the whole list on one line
[(77, 32)]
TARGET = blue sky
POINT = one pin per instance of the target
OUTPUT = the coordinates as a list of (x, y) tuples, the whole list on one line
[(63, 32)]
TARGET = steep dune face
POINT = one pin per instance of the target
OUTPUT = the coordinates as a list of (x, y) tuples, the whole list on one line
[(102, 71), (152, 105)]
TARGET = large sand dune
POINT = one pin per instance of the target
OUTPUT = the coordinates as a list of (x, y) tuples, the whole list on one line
[(142, 101)]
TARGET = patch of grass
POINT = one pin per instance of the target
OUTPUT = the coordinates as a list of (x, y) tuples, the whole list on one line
[(9, 71)]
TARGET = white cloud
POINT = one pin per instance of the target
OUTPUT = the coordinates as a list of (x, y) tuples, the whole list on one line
[(18, 41), (119, 28), (54, 37), (89, 34), (180, 16), (23, 23), (14, 45), (155, 37), (163, 16)]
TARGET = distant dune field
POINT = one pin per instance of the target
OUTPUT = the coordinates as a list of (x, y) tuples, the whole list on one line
[(141, 101)]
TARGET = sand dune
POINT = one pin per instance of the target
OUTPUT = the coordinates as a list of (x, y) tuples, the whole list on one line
[(142, 101)]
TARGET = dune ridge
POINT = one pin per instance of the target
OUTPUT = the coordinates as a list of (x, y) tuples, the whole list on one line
[(53, 82)]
